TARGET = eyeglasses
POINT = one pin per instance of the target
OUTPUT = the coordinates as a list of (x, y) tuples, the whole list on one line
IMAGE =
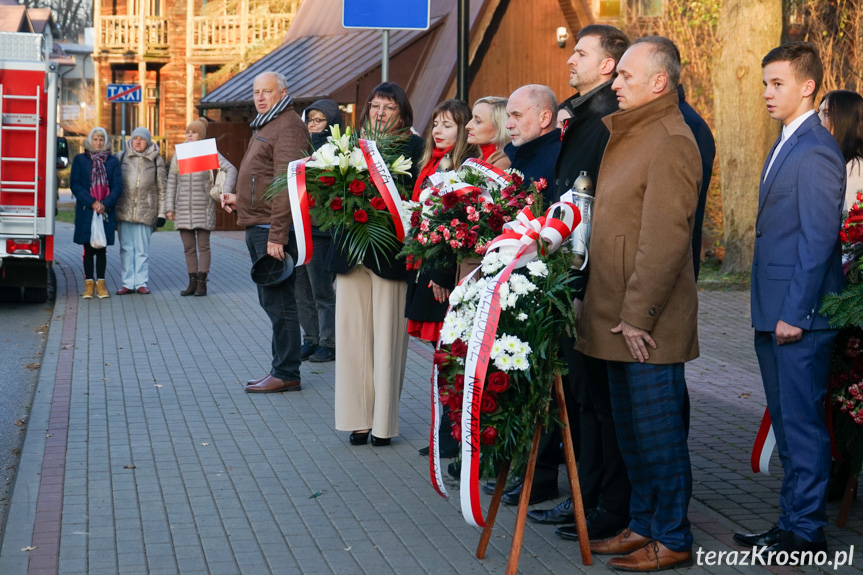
[(374, 107), (316, 121)]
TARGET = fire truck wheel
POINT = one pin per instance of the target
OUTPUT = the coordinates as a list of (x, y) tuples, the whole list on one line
[(10, 294), (35, 295)]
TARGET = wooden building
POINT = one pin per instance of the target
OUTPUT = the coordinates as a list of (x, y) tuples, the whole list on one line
[(166, 46), (512, 43)]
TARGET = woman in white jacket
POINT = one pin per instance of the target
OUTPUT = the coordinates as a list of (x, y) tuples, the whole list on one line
[(191, 204)]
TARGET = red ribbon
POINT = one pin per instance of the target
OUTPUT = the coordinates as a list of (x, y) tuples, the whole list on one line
[(383, 181), (299, 199)]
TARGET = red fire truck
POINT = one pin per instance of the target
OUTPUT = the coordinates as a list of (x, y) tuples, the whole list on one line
[(28, 177)]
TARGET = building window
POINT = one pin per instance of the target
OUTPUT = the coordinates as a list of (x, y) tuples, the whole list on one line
[(618, 9), (649, 8)]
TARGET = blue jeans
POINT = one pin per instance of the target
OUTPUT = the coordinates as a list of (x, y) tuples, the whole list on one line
[(316, 298), (280, 306), (134, 253), (650, 405)]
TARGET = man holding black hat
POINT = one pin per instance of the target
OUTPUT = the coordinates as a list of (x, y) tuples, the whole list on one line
[(279, 137)]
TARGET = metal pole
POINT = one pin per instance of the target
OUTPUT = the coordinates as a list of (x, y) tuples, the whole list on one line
[(385, 59), (462, 45), (123, 125)]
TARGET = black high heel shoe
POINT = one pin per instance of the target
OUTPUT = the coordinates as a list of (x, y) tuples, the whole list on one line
[(380, 441), (361, 438)]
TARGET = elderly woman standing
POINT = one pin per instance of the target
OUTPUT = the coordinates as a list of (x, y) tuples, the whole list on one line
[(140, 209), (97, 184), (193, 210)]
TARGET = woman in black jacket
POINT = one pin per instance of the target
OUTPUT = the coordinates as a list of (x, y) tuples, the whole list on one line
[(371, 329)]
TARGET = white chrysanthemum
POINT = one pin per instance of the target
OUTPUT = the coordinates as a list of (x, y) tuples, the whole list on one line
[(520, 363), (357, 160), (506, 255), (511, 343), (503, 362), (496, 349), (456, 296), (511, 300), (521, 317), (523, 348), (537, 268), (448, 335), (491, 263), (519, 287)]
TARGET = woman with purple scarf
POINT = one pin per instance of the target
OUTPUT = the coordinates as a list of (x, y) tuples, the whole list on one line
[(97, 183)]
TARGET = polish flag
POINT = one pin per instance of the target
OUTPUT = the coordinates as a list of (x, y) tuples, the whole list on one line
[(765, 442), (197, 156)]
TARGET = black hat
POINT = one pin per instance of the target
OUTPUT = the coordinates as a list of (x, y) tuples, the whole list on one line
[(267, 271)]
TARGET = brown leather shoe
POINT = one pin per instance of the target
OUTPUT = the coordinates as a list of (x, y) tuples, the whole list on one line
[(624, 542), (652, 557), (259, 380), (272, 384)]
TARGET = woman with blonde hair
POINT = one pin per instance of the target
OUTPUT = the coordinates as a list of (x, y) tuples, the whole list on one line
[(487, 129)]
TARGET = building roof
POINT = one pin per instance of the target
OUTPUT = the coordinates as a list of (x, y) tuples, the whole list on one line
[(315, 66), (13, 18), (75, 48), (42, 18)]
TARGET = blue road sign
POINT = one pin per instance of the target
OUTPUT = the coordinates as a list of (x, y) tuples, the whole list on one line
[(386, 14), (120, 93)]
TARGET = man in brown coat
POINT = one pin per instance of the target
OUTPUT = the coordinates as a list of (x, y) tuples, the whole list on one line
[(640, 307), (279, 137)]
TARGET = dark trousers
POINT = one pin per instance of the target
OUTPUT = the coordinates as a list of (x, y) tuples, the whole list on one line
[(101, 262), (281, 307), (601, 470), (316, 298), (648, 402), (795, 382)]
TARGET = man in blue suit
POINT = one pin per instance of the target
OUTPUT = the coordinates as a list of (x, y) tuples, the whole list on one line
[(797, 260)]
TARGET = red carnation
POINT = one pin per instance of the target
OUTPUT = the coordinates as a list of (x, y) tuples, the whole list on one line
[(449, 200), (495, 222), (498, 382), (541, 184), (361, 216), (357, 187), (380, 204), (488, 435), (458, 382), (336, 203), (458, 348), (489, 403)]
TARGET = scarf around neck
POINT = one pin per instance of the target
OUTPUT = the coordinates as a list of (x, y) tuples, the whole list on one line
[(487, 150), (262, 120), (98, 176), (430, 167)]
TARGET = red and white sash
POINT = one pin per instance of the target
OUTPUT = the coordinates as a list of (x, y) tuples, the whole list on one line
[(493, 173), (383, 181), (299, 198), (765, 442)]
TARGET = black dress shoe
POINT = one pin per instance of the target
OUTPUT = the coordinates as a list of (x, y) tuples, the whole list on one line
[(360, 437), (488, 486), (600, 525), (791, 542), (538, 494), (763, 539), (454, 469), (444, 453), (380, 441), (559, 515)]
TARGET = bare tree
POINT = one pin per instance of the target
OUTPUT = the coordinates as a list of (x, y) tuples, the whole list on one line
[(71, 16)]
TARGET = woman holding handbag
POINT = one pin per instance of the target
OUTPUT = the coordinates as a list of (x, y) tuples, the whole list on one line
[(191, 205), (96, 182)]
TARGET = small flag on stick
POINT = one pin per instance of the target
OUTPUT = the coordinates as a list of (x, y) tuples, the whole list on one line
[(197, 156)]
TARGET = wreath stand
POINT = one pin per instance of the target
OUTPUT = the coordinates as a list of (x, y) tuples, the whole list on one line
[(575, 489)]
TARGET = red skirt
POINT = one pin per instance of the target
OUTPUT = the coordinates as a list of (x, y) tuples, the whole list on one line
[(425, 330)]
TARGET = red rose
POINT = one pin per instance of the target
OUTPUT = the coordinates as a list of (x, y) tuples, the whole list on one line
[(454, 416), (489, 403), (441, 380), (327, 180), (380, 204), (444, 393), (488, 435), (498, 382), (336, 203), (357, 187), (456, 431), (458, 382), (458, 348), (454, 400), (440, 358), (361, 216), (311, 201)]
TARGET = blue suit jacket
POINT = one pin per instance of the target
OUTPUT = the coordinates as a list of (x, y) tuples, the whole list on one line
[(798, 256)]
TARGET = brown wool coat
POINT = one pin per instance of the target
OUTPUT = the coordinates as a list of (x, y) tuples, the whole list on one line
[(641, 267), (280, 142)]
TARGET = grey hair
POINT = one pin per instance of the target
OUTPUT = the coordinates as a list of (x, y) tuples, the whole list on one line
[(665, 57), (541, 97), (88, 143), (280, 78)]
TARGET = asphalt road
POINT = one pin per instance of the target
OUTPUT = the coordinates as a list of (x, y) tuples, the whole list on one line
[(23, 330)]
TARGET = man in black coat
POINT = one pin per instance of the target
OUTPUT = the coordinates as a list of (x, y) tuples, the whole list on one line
[(531, 122), (707, 147), (602, 474)]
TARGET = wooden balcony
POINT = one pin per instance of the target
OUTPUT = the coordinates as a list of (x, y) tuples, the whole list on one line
[(122, 35), (222, 37)]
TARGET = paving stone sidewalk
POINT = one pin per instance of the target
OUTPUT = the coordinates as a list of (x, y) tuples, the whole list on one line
[(145, 456)]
